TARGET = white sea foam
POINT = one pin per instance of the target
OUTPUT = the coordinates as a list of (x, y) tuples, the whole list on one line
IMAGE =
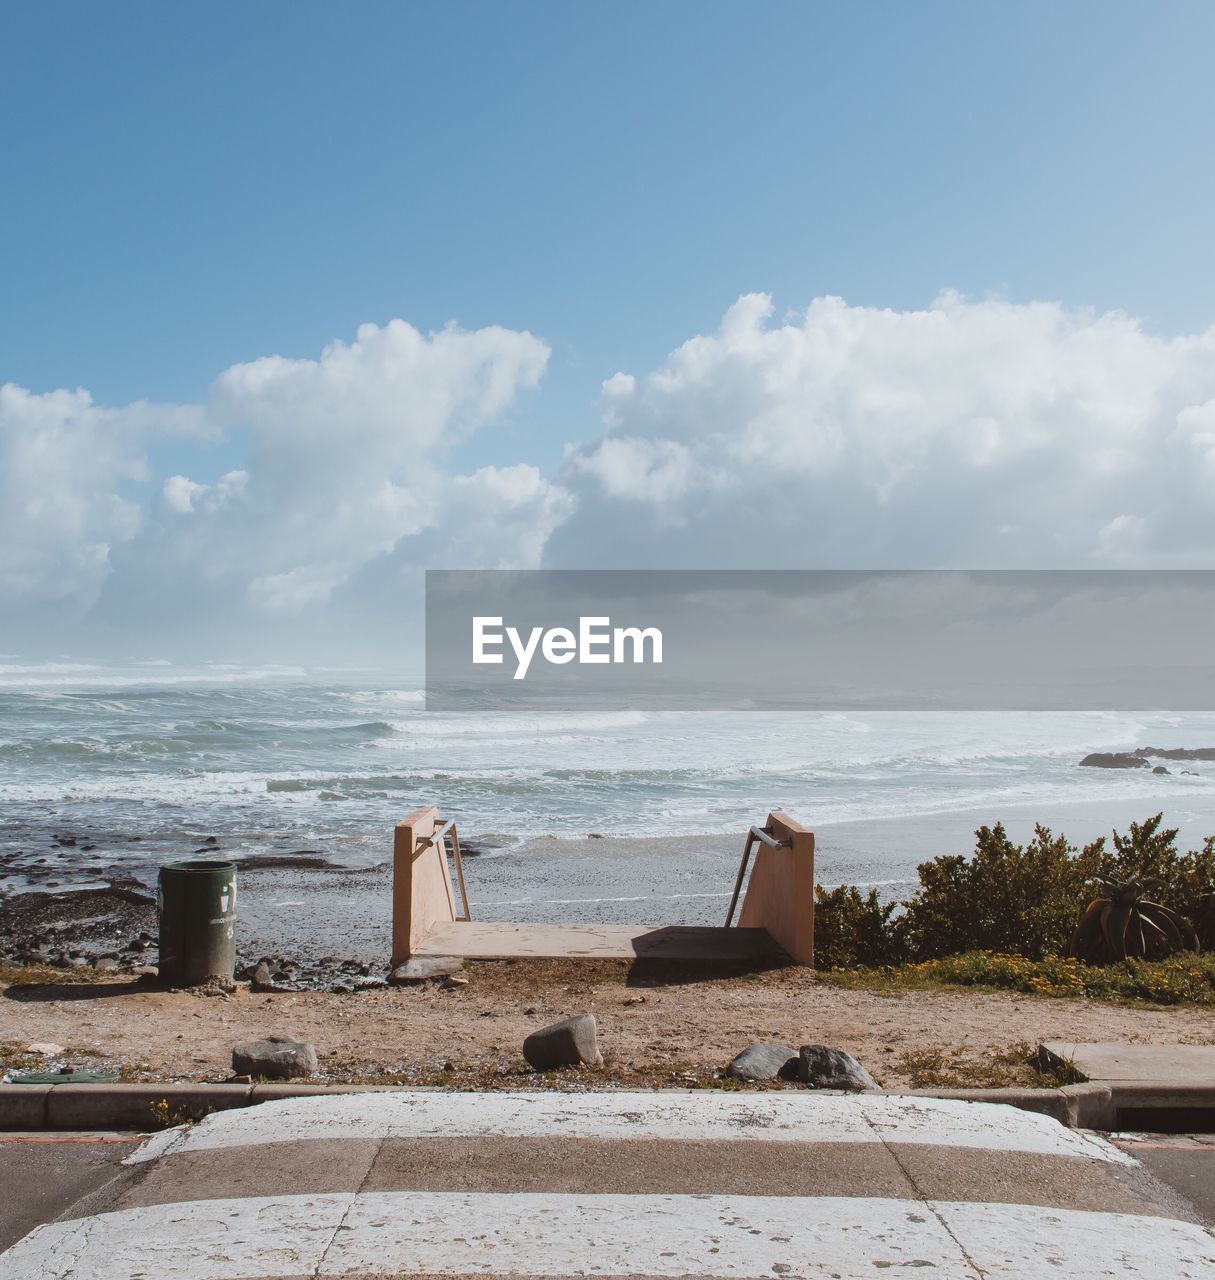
[(260, 755)]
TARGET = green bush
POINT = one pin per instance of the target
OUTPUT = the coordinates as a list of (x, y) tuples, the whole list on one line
[(1010, 899), (851, 930), (1185, 880), (1005, 897)]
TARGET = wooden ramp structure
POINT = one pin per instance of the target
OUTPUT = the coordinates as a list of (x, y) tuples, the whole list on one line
[(776, 922)]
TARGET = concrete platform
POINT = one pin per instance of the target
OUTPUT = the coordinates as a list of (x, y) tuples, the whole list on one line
[(481, 940), (1191, 1065)]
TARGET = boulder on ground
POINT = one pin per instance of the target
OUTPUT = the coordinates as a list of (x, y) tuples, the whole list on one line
[(825, 1068), (424, 968), (565, 1044), (276, 1058), (765, 1061)]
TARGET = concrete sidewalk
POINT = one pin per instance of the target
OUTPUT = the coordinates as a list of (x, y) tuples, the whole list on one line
[(624, 1184)]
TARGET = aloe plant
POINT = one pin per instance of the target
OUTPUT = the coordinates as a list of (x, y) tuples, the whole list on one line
[(1122, 924)]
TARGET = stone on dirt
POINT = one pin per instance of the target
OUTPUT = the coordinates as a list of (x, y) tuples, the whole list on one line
[(276, 1058), (424, 968), (825, 1068), (570, 1043), (765, 1061), (574, 1042)]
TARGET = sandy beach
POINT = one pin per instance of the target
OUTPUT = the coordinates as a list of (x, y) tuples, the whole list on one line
[(303, 908)]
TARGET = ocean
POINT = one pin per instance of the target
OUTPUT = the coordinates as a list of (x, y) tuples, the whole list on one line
[(137, 764)]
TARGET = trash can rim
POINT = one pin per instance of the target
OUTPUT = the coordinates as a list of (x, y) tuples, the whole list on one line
[(198, 865)]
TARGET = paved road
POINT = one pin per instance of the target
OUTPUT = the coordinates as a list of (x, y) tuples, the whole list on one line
[(1185, 1162), (44, 1175), (625, 1184)]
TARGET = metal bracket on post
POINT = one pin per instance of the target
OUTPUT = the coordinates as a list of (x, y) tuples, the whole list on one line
[(764, 836), (439, 837)]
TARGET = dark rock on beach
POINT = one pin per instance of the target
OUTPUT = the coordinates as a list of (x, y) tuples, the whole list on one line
[(304, 860), (1178, 753), (1141, 756), (1113, 760), (56, 928)]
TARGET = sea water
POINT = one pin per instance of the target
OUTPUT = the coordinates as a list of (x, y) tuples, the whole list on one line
[(146, 762)]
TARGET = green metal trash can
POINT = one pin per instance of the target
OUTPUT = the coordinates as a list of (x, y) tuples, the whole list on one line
[(197, 921)]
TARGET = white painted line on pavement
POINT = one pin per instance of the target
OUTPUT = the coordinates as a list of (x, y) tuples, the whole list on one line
[(1005, 1240), (194, 1240), (411, 1233), (671, 1235), (772, 1117)]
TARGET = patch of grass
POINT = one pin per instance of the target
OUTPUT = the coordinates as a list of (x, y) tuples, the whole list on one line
[(37, 975), (1185, 978), (996, 1067)]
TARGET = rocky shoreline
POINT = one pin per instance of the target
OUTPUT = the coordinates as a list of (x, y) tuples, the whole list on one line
[(309, 923), (1142, 757)]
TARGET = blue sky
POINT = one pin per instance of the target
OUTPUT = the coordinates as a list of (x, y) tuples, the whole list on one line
[(192, 186)]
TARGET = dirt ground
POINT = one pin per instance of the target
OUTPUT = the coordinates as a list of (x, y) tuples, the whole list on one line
[(655, 1028)]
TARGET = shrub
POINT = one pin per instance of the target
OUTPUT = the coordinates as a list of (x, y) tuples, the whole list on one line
[(851, 930), (1183, 882), (1005, 897), (1011, 899)]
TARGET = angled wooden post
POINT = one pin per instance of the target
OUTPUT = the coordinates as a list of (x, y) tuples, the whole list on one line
[(780, 895), (421, 887)]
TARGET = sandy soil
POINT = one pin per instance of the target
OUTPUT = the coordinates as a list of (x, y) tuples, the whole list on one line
[(655, 1028)]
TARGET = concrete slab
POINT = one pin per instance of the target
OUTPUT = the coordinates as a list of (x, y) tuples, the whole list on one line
[(1174, 1064), (482, 940)]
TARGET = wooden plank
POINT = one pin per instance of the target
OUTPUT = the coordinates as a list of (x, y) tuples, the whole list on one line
[(421, 887), (780, 895)]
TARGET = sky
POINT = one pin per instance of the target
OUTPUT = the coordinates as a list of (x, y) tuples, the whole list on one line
[(298, 300)]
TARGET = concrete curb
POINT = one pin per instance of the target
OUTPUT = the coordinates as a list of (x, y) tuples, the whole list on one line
[(1078, 1106), (149, 1106), (140, 1107)]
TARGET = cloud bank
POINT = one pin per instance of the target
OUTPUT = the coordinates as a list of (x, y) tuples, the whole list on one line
[(970, 434), (977, 434)]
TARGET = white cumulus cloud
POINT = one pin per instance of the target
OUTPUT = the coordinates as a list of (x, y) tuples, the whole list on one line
[(68, 469), (345, 464), (970, 433)]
